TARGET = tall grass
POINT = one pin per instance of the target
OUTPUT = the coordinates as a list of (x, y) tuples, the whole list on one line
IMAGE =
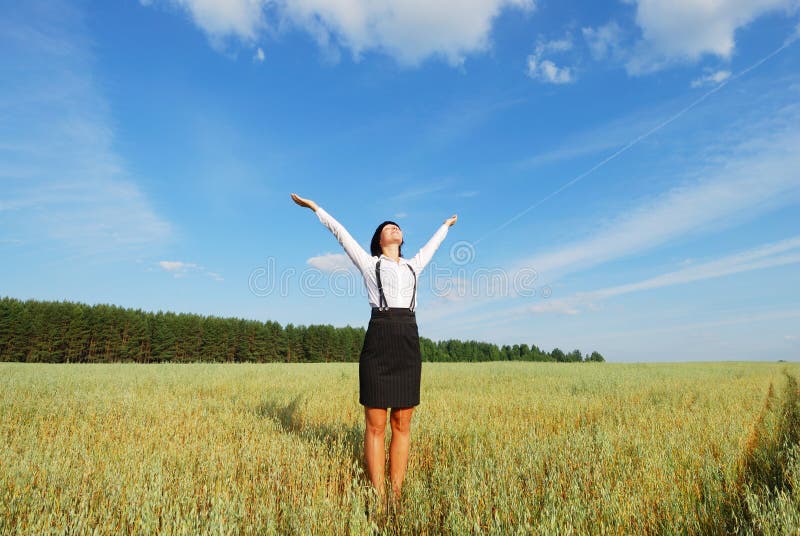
[(496, 448)]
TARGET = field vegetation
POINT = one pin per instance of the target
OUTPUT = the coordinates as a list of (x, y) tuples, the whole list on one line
[(497, 448)]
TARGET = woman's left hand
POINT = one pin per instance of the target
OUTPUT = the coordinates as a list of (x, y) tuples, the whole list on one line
[(451, 221)]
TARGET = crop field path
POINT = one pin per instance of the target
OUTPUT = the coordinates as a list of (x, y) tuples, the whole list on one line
[(497, 448)]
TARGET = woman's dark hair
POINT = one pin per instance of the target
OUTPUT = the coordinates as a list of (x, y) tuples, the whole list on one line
[(375, 245)]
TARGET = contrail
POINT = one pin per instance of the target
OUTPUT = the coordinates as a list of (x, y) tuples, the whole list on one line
[(794, 37)]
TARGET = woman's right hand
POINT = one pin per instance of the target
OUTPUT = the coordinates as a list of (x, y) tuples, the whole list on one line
[(304, 202)]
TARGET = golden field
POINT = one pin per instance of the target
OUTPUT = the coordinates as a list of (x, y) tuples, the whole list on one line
[(497, 448)]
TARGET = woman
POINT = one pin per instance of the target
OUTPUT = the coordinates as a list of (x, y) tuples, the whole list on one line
[(390, 364)]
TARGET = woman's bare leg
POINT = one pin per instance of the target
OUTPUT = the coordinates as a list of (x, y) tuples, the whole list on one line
[(398, 448), (374, 449)]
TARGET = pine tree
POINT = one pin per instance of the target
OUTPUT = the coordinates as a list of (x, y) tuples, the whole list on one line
[(71, 332)]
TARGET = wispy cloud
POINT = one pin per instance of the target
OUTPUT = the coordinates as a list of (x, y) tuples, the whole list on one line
[(615, 137), (752, 168), (331, 262), (741, 172), (749, 186), (63, 181), (215, 276), (749, 317), (177, 266), (711, 78), (566, 307), (595, 141), (782, 253), (785, 252), (416, 192), (181, 269), (463, 117), (604, 41)]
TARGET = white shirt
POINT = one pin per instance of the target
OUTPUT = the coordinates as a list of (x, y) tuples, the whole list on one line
[(396, 279)]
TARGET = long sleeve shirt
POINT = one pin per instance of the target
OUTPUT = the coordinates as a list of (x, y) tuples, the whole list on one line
[(396, 279)]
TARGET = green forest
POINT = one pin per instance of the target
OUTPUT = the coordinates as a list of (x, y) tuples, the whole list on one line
[(66, 332)]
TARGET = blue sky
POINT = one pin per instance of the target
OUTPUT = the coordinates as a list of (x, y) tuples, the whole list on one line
[(626, 174)]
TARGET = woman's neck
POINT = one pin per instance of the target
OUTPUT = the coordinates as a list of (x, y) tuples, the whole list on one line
[(392, 251)]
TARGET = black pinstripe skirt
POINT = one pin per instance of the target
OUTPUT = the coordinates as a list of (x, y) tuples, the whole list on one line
[(390, 366)]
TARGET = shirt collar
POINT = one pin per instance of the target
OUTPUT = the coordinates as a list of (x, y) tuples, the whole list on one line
[(401, 261)]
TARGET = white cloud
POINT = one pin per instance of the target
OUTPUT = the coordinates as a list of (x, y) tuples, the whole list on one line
[(546, 70), (685, 30), (222, 18), (711, 79), (259, 55), (410, 31), (176, 266), (180, 269), (331, 262), (604, 41)]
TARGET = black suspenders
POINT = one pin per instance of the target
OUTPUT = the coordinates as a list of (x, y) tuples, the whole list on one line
[(383, 305)]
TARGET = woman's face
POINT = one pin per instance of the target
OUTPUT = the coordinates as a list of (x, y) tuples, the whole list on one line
[(391, 234)]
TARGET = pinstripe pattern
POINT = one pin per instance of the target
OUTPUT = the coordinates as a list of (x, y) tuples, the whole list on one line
[(390, 365)]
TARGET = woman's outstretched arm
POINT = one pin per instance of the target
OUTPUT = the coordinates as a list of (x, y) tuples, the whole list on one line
[(424, 256), (360, 258)]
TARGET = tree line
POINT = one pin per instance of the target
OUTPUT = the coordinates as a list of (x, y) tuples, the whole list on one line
[(68, 332)]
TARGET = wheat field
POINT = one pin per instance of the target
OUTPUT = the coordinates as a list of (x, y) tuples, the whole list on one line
[(497, 448)]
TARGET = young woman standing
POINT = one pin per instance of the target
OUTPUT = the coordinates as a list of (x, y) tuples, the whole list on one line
[(390, 365)]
